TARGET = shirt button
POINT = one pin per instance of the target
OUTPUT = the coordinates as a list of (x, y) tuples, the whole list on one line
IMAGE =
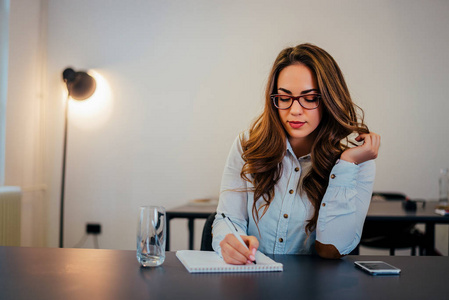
[(286, 216), (291, 191), (281, 240), (333, 176), (296, 169), (324, 204)]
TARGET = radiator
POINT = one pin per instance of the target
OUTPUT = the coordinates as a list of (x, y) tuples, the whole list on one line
[(10, 215)]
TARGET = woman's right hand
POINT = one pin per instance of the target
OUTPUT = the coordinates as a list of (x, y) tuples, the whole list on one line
[(235, 253)]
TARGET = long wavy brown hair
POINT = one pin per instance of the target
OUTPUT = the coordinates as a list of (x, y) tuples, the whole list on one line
[(265, 147)]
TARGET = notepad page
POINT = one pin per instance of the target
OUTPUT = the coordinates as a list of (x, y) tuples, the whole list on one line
[(209, 262)]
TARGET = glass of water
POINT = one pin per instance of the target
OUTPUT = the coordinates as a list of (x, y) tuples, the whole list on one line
[(151, 232)]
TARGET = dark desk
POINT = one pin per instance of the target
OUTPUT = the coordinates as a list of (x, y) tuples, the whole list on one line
[(53, 273), (379, 211)]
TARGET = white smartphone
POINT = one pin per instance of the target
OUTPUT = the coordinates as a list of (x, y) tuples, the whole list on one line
[(377, 268)]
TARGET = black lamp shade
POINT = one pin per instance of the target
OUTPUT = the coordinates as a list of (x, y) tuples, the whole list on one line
[(79, 84)]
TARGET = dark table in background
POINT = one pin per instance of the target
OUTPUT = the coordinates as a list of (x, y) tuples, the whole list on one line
[(392, 211), (53, 273), (379, 211), (189, 212)]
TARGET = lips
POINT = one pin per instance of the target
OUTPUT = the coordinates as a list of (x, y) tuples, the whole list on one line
[(296, 124)]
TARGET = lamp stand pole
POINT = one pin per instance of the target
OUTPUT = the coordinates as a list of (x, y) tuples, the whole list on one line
[(64, 154)]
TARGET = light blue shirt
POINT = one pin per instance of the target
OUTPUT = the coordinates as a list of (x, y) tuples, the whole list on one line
[(282, 228)]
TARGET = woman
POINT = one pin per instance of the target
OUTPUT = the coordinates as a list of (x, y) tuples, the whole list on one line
[(295, 183)]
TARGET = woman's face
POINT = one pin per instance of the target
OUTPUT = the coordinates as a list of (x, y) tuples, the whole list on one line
[(298, 80)]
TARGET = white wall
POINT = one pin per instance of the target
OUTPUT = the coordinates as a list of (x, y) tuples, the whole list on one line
[(187, 76), (24, 137), (4, 45)]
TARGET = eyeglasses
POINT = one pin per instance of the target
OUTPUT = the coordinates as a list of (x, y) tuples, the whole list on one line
[(309, 101)]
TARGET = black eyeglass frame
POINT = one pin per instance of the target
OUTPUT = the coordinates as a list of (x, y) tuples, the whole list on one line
[(293, 98)]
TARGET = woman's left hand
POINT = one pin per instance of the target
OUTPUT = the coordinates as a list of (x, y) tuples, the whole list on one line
[(367, 151)]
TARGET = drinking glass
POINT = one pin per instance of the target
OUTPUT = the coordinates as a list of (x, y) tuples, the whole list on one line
[(151, 232)]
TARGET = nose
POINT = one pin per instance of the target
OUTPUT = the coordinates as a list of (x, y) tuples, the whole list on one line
[(296, 108)]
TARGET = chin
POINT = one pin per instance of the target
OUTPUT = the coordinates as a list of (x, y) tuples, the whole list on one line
[(298, 135)]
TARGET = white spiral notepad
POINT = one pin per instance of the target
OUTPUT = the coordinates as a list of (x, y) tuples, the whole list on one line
[(209, 262)]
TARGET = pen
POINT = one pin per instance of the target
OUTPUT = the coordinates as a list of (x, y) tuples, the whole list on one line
[(234, 231)]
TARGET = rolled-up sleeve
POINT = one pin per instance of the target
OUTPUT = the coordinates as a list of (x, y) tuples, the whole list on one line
[(233, 198), (345, 205)]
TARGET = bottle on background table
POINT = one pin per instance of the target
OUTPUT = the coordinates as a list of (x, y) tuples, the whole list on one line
[(444, 187)]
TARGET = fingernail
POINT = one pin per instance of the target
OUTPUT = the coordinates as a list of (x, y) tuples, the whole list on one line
[(252, 257), (248, 262), (254, 251)]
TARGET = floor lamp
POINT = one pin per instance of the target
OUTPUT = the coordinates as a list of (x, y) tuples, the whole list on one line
[(80, 86)]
